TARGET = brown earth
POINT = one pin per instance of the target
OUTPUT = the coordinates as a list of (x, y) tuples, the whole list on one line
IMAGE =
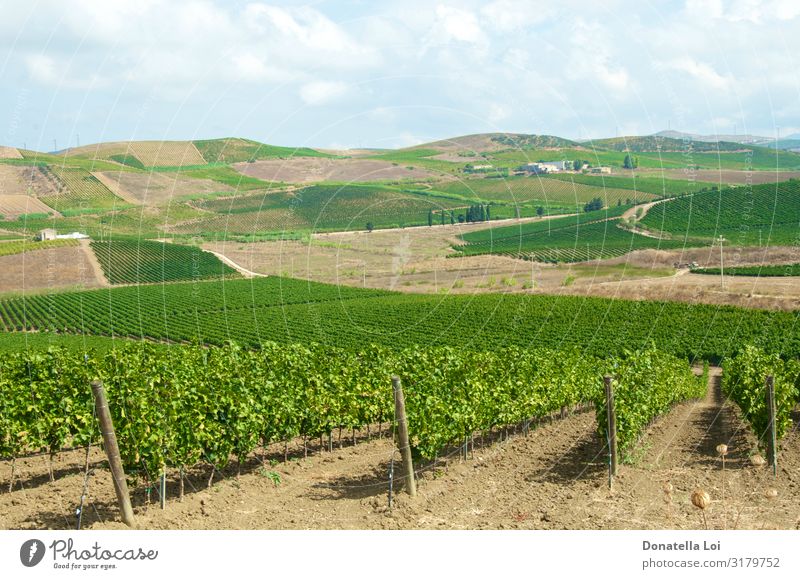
[(554, 478), (157, 188), (416, 260), (315, 169), (57, 268), (19, 180), (12, 206), (9, 153)]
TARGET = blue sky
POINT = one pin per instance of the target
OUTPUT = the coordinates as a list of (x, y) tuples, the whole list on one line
[(384, 74)]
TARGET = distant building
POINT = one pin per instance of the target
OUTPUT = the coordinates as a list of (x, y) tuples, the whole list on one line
[(546, 167), (73, 235), (46, 234), (601, 170)]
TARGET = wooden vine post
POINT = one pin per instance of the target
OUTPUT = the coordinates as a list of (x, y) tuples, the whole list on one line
[(402, 435), (772, 443), (112, 451), (611, 430)]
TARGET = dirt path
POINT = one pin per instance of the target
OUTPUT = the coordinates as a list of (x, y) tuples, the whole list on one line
[(91, 259), (457, 228), (681, 449), (245, 272)]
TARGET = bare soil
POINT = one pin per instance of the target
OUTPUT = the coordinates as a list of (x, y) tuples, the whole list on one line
[(9, 153), (315, 169), (18, 180), (155, 189), (419, 260), (12, 206), (554, 478), (56, 268)]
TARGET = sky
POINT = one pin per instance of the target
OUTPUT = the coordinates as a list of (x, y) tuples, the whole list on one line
[(349, 74)]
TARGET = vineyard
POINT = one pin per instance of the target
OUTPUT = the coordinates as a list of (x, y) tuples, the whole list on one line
[(758, 215), (140, 261), (582, 237), (77, 191), (21, 246), (242, 150), (255, 311), (178, 406), (323, 208), (545, 191), (647, 186), (166, 153), (744, 379), (788, 270)]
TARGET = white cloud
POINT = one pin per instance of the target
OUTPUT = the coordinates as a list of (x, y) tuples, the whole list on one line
[(459, 25), (322, 92), (702, 72), (498, 112)]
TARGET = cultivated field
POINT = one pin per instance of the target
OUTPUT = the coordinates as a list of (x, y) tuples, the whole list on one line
[(157, 188), (22, 180), (9, 153), (723, 176), (55, 268), (314, 169), (13, 206), (167, 153)]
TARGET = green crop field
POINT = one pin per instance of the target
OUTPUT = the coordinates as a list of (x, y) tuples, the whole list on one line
[(325, 207), (78, 192), (759, 215), (788, 270), (644, 186), (290, 311), (234, 150), (21, 246), (538, 190), (582, 237), (140, 261)]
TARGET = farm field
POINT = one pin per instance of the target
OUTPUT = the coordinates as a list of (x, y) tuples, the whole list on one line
[(155, 189), (541, 190), (20, 206), (755, 216), (138, 261), (64, 266), (24, 180), (23, 246), (721, 176), (584, 237), (784, 270), (551, 478), (646, 185), (166, 153), (243, 150), (283, 310), (77, 191), (315, 169)]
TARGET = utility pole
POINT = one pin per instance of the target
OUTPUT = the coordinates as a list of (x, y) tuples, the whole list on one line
[(721, 264)]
